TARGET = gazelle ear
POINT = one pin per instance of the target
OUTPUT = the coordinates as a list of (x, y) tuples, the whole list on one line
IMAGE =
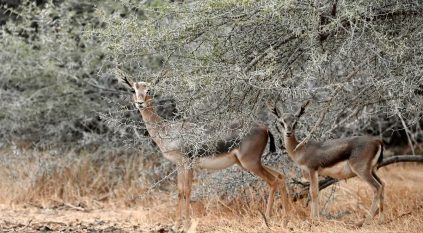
[(123, 77), (271, 106), (301, 111), (274, 109), (276, 112)]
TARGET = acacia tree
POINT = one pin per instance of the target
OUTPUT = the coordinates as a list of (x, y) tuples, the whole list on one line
[(360, 62), (220, 61)]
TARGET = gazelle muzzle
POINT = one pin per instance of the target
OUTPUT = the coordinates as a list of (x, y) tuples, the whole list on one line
[(140, 104)]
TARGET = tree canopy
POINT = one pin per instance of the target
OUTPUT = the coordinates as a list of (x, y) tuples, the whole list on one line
[(360, 62), (210, 63)]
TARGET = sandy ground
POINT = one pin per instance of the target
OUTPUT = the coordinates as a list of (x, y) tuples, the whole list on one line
[(350, 200)]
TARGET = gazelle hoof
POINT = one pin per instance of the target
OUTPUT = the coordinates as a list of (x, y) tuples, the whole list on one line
[(381, 219), (359, 223), (367, 221), (285, 222), (316, 222), (187, 226), (176, 227)]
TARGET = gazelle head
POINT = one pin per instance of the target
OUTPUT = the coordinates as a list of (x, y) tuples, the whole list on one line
[(288, 120), (142, 96)]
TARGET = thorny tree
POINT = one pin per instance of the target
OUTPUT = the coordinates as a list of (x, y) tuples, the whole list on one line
[(359, 61)]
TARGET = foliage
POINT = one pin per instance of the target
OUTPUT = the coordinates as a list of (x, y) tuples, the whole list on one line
[(360, 62), (219, 60), (54, 81)]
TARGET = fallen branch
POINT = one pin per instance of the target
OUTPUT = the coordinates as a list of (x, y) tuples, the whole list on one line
[(330, 181), (401, 158)]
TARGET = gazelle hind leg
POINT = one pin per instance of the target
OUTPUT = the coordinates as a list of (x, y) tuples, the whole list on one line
[(377, 188), (282, 187), (272, 181), (381, 194), (271, 198), (267, 176)]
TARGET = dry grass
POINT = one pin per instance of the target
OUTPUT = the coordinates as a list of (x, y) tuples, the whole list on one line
[(40, 188), (348, 205), (46, 179)]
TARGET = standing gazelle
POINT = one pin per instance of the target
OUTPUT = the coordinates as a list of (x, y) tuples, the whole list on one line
[(167, 137), (339, 158)]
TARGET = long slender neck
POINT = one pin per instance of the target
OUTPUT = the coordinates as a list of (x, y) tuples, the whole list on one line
[(152, 120), (290, 144)]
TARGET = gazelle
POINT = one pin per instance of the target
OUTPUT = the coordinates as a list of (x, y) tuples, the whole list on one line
[(247, 154), (339, 158)]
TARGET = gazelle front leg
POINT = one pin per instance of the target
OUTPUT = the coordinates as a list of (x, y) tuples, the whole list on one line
[(180, 186), (185, 176), (187, 193), (181, 182), (314, 193), (381, 196)]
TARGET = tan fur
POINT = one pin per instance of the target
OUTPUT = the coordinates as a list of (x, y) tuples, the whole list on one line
[(338, 158), (248, 155), (219, 162)]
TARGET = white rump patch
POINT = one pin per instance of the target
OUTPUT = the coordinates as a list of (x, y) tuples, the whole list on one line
[(377, 155)]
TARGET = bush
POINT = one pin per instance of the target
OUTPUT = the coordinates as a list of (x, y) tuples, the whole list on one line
[(55, 81)]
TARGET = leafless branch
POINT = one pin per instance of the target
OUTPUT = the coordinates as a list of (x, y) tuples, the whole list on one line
[(325, 110), (270, 48)]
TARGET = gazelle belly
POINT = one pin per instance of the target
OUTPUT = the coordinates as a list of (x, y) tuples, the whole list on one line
[(338, 171), (217, 162), (174, 156)]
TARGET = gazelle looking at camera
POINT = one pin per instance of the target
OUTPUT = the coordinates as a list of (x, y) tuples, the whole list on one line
[(246, 153), (338, 158)]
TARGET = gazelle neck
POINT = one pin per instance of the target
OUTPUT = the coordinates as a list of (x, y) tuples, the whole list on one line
[(290, 145), (151, 119)]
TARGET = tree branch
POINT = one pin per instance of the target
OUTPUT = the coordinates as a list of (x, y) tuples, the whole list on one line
[(381, 14), (325, 110), (253, 62)]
